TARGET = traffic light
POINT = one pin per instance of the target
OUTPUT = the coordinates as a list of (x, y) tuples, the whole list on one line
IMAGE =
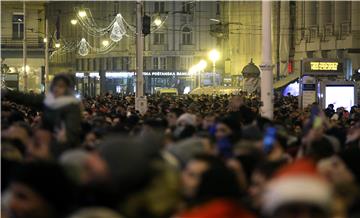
[(146, 25)]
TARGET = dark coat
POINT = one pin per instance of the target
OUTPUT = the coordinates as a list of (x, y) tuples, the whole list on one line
[(63, 112)]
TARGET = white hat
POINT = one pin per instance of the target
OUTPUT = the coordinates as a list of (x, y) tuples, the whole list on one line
[(187, 119), (297, 183)]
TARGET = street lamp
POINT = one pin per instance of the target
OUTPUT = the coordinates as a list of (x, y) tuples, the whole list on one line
[(157, 21), (214, 55), (192, 72), (45, 40), (201, 67), (82, 13), (105, 43), (74, 21), (57, 45)]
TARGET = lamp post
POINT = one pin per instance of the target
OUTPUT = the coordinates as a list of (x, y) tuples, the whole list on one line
[(24, 49), (201, 66), (192, 72), (214, 55), (266, 67), (139, 50)]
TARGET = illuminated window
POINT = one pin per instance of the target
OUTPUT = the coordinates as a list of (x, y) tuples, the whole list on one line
[(18, 26)]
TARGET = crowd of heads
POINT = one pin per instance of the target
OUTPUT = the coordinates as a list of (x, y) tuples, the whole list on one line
[(186, 156)]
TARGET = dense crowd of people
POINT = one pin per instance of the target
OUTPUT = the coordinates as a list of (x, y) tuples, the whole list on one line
[(186, 157)]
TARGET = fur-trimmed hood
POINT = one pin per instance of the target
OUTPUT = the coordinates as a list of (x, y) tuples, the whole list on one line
[(56, 103)]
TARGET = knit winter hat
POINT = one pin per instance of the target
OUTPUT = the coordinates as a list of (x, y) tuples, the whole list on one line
[(187, 119), (298, 182)]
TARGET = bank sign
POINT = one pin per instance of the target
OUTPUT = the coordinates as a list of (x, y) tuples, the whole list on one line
[(319, 67)]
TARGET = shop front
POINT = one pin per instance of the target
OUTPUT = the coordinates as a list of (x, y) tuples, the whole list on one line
[(323, 81), (89, 83)]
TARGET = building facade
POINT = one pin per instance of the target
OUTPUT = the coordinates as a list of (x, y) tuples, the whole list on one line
[(300, 30), (12, 32), (329, 30), (169, 51)]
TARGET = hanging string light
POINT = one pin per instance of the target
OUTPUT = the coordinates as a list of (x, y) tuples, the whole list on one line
[(83, 47), (116, 34), (116, 28)]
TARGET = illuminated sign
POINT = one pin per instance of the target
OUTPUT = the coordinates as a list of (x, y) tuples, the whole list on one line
[(332, 66), (322, 67), (124, 74)]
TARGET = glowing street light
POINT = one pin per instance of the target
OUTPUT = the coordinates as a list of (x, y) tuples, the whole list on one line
[(157, 22), (214, 56), (45, 40), (82, 13), (201, 66), (193, 70), (57, 45), (74, 21), (105, 43)]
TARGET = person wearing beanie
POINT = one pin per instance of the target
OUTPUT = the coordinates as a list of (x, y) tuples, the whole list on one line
[(297, 190), (40, 190), (186, 119), (184, 150), (185, 126)]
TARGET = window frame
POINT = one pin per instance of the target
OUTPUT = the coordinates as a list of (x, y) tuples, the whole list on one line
[(186, 36), (159, 38), (159, 63), (19, 33), (159, 7)]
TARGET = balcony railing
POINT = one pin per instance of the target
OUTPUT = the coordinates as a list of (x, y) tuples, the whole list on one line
[(31, 42), (345, 30), (328, 32), (313, 33)]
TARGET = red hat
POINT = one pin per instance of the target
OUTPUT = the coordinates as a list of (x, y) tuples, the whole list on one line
[(298, 182)]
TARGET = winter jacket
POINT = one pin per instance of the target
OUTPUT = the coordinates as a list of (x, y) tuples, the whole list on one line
[(63, 112)]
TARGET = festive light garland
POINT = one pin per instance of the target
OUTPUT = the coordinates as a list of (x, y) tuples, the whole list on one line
[(117, 29)]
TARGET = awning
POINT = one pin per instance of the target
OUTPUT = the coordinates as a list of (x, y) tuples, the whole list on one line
[(283, 82)]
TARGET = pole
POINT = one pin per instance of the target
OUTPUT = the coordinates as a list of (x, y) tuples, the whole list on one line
[(46, 54), (214, 73), (267, 108), (139, 51), (24, 49), (199, 79), (278, 41)]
